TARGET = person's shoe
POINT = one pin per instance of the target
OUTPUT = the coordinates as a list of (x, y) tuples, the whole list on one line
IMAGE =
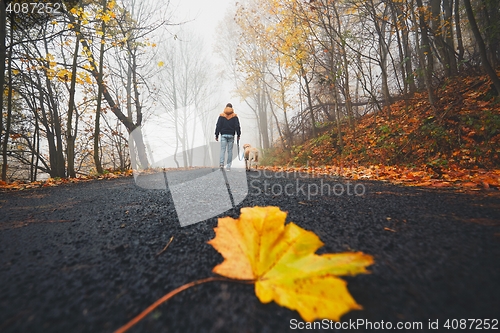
[(221, 166), (228, 169)]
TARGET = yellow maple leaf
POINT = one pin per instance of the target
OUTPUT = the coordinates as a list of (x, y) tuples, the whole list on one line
[(106, 18), (281, 260)]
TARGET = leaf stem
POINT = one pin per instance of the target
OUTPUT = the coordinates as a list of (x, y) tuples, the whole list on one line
[(174, 292)]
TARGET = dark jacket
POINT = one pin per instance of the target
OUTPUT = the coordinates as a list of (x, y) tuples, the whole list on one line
[(228, 123)]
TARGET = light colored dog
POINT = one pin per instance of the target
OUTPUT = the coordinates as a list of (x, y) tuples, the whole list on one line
[(251, 156)]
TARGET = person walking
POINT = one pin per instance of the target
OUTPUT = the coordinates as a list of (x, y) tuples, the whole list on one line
[(227, 126)]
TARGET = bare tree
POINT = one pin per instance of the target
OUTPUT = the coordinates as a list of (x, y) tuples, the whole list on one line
[(185, 92)]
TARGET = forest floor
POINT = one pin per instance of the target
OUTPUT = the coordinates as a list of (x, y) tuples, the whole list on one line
[(455, 143), (87, 257)]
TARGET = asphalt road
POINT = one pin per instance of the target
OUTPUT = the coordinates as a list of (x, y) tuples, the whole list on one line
[(83, 257)]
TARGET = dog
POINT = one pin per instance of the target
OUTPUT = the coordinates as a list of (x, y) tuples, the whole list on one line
[(251, 156)]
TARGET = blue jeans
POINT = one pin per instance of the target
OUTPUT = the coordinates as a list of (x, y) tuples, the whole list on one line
[(226, 140)]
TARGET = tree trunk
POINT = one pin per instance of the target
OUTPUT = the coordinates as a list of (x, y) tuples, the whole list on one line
[(309, 102), (35, 156), (482, 47), (3, 54), (424, 53), (460, 44), (97, 125), (263, 119), (288, 134), (437, 34), (491, 24), (339, 123), (449, 38), (70, 136), (406, 61), (9, 105), (280, 132), (383, 49), (397, 31), (345, 64)]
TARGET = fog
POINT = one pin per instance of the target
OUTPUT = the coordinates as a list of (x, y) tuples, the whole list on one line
[(190, 22)]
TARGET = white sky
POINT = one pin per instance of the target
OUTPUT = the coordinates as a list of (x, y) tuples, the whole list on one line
[(204, 15)]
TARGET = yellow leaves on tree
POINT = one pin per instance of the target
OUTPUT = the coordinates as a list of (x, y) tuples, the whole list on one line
[(82, 78), (281, 260), (63, 75), (105, 17), (289, 33), (281, 26)]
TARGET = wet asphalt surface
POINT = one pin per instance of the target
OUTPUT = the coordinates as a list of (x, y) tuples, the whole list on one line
[(83, 257)]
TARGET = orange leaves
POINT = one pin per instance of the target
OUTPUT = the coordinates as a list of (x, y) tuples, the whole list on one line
[(423, 176), (281, 260)]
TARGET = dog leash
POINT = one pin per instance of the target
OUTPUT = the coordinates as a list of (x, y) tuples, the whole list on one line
[(238, 145)]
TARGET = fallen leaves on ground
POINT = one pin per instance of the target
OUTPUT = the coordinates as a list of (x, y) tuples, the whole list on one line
[(474, 179), (281, 259), (108, 174), (21, 185), (455, 143)]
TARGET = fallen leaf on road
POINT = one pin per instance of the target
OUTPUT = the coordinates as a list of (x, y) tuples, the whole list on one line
[(281, 260)]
